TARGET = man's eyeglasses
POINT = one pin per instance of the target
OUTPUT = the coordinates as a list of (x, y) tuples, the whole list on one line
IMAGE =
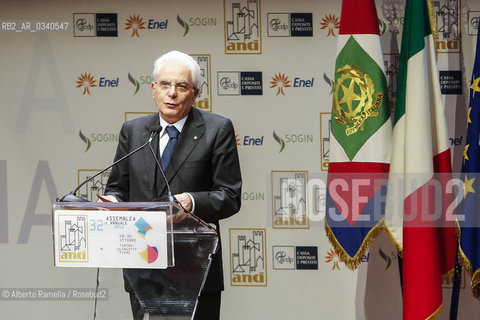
[(165, 86)]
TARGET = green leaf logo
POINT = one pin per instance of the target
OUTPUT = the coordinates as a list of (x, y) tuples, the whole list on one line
[(385, 257), (328, 81), (134, 82), (85, 139), (382, 26), (183, 24), (280, 141)]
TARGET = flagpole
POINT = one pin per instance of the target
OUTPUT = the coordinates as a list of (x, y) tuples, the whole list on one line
[(457, 277), (400, 269)]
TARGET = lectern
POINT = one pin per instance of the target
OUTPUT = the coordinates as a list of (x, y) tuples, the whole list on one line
[(146, 236)]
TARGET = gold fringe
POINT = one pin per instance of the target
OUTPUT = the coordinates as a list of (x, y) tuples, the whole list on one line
[(353, 262), (449, 273), (436, 314), (464, 261), (476, 284), (433, 25), (468, 267), (457, 230)]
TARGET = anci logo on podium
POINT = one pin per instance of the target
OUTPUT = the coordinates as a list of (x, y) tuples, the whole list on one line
[(73, 238)]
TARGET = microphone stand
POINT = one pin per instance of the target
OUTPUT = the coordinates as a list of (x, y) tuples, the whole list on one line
[(72, 197)]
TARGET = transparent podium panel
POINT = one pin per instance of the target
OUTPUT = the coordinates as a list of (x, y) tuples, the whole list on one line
[(100, 232), (172, 293)]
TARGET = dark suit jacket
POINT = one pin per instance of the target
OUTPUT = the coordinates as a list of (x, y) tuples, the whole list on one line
[(205, 164)]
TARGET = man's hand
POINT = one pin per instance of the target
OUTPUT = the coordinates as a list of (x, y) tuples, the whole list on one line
[(184, 200)]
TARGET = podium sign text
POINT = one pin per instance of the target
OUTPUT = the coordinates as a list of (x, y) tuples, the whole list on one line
[(110, 239)]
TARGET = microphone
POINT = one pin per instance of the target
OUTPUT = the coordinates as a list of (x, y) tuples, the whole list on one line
[(169, 197), (72, 197)]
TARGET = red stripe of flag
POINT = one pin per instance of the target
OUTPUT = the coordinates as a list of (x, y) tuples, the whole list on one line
[(429, 246), (351, 10)]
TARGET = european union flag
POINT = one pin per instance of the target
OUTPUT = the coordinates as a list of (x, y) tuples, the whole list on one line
[(469, 253)]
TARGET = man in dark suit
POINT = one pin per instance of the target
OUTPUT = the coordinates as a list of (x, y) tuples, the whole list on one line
[(204, 170)]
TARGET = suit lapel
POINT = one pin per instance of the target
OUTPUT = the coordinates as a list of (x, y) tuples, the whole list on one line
[(192, 131), (148, 159)]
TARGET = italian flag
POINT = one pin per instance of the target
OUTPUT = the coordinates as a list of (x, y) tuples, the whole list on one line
[(360, 135), (420, 150)]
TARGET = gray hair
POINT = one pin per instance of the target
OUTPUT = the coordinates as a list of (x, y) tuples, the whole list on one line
[(182, 58)]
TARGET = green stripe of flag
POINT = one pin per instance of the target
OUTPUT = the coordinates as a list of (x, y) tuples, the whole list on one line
[(413, 41)]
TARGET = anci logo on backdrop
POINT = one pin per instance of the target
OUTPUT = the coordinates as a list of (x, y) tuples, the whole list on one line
[(135, 23), (290, 25), (325, 139), (448, 40), (280, 81), (204, 99), (242, 27), (390, 25), (93, 187), (195, 22), (289, 199), (234, 83), (87, 81), (95, 25), (248, 257)]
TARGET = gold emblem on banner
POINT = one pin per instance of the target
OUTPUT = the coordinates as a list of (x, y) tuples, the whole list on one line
[(358, 101)]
